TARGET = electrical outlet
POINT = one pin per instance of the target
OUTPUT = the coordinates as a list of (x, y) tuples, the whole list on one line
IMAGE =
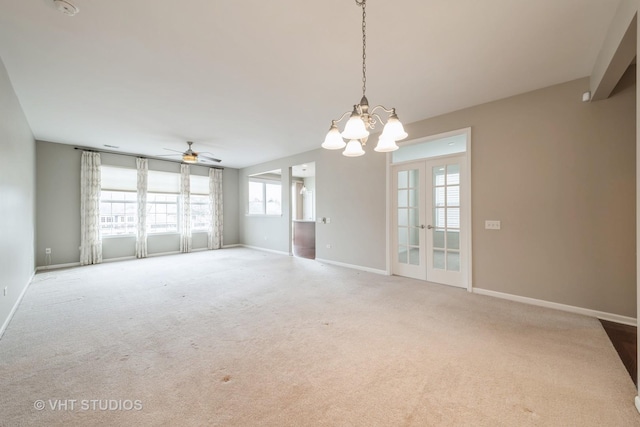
[(4, 292), (47, 251), (492, 225), (328, 245), (328, 220)]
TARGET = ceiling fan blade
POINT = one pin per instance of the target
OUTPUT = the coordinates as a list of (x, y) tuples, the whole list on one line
[(211, 159), (176, 151), (168, 155)]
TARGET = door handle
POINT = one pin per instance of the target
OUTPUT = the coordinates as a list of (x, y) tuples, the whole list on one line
[(429, 227), (420, 226)]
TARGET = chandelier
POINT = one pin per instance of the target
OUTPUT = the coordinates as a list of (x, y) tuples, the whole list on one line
[(362, 119)]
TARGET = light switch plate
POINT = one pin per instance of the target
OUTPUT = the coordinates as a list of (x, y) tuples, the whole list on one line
[(492, 225)]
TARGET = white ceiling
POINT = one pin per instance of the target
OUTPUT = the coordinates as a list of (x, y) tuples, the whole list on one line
[(255, 80)]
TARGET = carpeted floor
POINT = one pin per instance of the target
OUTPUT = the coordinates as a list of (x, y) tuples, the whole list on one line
[(239, 337)]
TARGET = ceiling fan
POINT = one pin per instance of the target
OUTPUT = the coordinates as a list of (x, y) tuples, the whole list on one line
[(191, 156)]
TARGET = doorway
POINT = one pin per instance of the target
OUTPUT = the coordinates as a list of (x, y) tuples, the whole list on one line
[(303, 210), (430, 210)]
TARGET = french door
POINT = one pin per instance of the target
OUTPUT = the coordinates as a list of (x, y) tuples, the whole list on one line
[(429, 235)]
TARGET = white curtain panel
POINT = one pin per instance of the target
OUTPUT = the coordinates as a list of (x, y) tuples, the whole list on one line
[(185, 209), (90, 242), (215, 205), (141, 230)]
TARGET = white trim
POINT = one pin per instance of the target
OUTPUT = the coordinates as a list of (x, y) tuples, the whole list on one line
[(638, 403), (15, 306), (234, 245), (273, 251), (468, 200), (355, 267), (389, 216), (165, 253), (557, 306), (124, 258), (57, 266)]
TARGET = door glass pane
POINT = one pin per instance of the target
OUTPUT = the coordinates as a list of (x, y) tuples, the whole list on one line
[(438, 217), (414, 176), (413, 198), (414, 236), (438, 196), (414, 256), (453, 195), (402, 254), (453, 217), (413, 217), (402, 236), (438, 239), (402, 198), (453, 174), (403, 219), (438, 175), (453, 239), (402, 179), (453, 261), (438, 259)]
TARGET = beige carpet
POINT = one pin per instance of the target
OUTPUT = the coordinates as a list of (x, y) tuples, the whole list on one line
[(245, 338)]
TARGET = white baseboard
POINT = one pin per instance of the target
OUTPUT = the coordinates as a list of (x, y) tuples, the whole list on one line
[(638, 403), (258, 248), (15, 306), (164, 253), (353, 266), (123, 258), (557, 306), (234, 245), (56, 266)]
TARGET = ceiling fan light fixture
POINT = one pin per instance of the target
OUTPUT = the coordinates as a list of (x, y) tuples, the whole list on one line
[(190, 158)]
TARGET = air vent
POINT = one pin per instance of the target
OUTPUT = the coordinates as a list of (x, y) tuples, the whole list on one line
[(66, 7)]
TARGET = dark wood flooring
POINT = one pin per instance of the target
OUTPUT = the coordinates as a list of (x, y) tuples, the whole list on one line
[(625, 340)]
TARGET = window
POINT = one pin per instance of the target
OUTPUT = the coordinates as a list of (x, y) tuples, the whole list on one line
[(117, 213), (162, 213), (163, 190), (118, 201), (265, 197), (200, 204)]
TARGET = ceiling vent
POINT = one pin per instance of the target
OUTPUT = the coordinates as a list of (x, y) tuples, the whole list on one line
[(66, 7)]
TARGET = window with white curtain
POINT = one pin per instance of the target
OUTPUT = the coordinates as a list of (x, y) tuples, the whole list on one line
[(118, 205), (163, 190), (200, 204)]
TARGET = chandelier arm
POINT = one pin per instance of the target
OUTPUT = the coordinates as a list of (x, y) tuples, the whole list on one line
[(387, 110), (341, 118), (378, 117)]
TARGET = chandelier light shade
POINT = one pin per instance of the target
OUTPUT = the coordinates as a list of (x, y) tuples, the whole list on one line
[(386, 145), (333, 140), (354, 149), (362, 120)]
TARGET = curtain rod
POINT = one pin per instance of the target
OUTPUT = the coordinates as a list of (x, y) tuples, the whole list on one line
[(94, 150)]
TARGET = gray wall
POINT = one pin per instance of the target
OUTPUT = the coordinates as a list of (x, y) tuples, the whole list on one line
[(558, 173), (17, 198), (349, 191), (58, 213)]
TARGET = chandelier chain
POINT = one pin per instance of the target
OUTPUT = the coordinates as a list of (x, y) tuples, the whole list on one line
[(363, 3)]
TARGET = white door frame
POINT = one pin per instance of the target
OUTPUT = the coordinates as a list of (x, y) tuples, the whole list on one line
[(466, 199)]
